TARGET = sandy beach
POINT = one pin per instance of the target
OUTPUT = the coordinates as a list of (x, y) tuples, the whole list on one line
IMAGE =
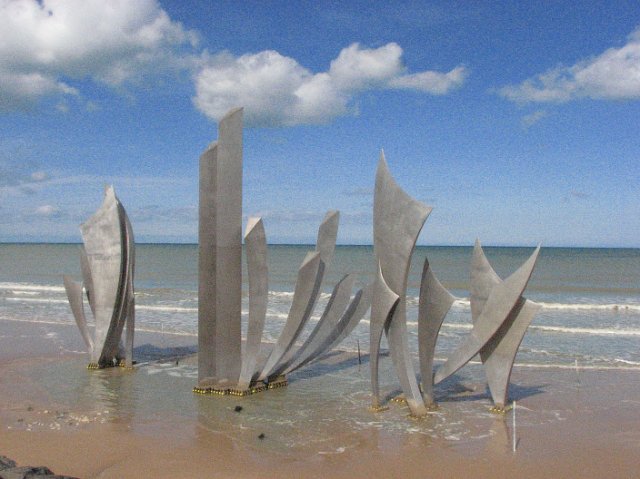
[(569, 423)]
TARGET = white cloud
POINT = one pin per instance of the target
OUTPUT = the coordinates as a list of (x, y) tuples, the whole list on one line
[(47, 211), (48, 47), (47, 44), (276, 90), (356, 68), (615, 74), (435, 83)]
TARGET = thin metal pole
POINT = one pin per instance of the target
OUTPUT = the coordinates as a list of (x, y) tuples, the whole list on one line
[(514, 427), (359, 358)]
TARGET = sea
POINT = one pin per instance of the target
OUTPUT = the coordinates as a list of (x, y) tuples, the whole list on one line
[(590, 297)]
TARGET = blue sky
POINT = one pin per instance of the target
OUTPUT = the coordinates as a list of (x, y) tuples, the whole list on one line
[(518, 123)]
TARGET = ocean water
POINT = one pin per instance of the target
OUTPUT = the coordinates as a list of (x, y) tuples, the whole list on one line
[(590, 316)]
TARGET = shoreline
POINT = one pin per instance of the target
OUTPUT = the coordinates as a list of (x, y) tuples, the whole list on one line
[(586, 443), (148, 422)]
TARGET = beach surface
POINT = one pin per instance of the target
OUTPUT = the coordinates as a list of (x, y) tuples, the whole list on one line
[(147, 423)]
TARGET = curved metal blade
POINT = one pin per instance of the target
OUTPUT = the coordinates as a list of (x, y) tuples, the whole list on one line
[(501, 301), (434, 304), (255, 241), (74, 294)]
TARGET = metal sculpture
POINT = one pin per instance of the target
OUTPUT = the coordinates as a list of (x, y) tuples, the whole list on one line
[(107, 265), (222, 366), (500, 314), (220, 257), (256, 251), (305, 296), (501, 318), (434, 304), (499, 353), (383, 305), (328, 321), (397, 221)]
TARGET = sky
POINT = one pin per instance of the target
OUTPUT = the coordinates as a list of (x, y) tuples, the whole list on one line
[(518, 122)]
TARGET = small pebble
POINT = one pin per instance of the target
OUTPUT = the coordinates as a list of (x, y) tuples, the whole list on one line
[(238, 408)]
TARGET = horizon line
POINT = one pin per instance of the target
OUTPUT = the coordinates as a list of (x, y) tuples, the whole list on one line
[(369, 245)]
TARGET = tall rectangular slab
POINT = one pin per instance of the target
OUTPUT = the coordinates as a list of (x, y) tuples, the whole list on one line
[(220, 256)]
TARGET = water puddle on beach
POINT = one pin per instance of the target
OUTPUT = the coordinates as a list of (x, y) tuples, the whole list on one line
[(323, 411)]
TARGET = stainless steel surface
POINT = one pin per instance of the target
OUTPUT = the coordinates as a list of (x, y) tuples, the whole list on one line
[(499, 353), (433, 306), (397, 222), (256, 255), (501, 300), (220, 256)]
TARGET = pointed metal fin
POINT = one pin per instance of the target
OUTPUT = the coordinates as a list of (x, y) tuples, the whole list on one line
[(327, 235), (129, 299), (383, 305), (74, 294), (256, 256), (434, 304), (321, 334), (356, 310), (87, 280), (501, 301), (397, 222), (102, 237), (499, 354), (358, 307), (483, 280), (304, 298)]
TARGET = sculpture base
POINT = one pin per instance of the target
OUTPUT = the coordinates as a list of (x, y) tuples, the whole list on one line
[(417, 417), (499, 409), (277, 382), (211, 391), (253, 389), (123, 364), (378, 408), (120, 363)]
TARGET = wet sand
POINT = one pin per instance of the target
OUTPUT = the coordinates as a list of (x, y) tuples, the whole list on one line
[(569, 423)]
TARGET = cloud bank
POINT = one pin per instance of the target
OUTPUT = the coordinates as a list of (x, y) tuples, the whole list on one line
[(613, 75), (277, 91), (47, 45)]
